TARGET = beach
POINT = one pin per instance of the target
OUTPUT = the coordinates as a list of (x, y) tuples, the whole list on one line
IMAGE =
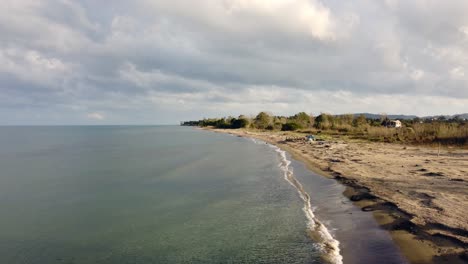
[(418, 193)]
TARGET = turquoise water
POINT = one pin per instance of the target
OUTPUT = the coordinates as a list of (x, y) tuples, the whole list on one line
[(145, 195)]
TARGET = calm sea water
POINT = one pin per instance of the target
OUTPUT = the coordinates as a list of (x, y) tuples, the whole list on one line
[(163, 195)]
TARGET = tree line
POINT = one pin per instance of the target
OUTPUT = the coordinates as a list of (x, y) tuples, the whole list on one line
[(417, 130), (262, 121)]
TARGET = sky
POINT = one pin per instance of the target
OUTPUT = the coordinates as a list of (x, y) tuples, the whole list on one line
[(164, 61)]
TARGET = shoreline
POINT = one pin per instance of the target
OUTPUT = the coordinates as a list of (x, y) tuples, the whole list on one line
[(317, 230), (419, 242)]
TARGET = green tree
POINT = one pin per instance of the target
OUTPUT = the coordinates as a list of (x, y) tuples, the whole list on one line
[(239, 123), (360, 121), (312, 120), (348, 119), (262, 120), (324, 121), (290, 126), (302, 119)]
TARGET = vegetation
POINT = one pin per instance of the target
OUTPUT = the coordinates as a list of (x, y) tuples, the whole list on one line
[(229, 122), (263, 120), (432, 130), (290, 126)]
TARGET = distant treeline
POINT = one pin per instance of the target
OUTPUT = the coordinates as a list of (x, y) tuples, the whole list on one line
[(443, 130)]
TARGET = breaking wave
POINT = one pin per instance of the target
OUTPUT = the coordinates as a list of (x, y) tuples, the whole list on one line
[(327, 244)]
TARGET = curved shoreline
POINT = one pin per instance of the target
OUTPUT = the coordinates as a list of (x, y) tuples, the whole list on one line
[(320, 233), (416, 242)]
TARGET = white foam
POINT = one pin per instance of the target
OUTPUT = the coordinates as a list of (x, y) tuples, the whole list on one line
[(326, 242), (256, 141)]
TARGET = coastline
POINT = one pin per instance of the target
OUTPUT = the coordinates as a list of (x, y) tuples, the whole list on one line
[(421, 239)]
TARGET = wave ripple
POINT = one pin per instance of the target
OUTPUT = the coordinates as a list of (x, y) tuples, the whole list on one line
[(327, 244)]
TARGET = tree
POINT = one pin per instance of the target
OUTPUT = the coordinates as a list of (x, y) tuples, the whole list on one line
[(347, 119), (312, 120), (302, 119), (360, 121), (239, 123), (383, 117), (323, 121), (290, 126), (262, 120)]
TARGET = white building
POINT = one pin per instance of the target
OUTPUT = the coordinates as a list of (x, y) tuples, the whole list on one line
[(394, 123)]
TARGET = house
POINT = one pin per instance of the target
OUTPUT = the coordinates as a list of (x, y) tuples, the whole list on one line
[(392, 123)]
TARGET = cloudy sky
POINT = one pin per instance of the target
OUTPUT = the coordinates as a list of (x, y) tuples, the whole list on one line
[(162, 61)]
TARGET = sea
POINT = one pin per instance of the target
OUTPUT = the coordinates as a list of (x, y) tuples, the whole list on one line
[(170, 194)]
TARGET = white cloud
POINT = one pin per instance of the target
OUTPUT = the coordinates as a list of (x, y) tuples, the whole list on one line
[(31, 65), (155, 79), (457, 73), (95, 116), (288, 101), (20, 21), (464, 30), (305, 17), (308, 16), (393, 4), (37, 60)]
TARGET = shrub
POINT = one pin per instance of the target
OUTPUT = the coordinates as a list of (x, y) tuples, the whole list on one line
[(262, 120), (301, 119), (291, 126), (240, 123), (323, 121), (277, 126)]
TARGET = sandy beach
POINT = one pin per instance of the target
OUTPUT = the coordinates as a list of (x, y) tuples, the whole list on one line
[(418, 193)]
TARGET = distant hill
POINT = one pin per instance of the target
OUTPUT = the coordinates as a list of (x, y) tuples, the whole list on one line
[(406, 117), (463, 116), (458, 116), (377, 116)]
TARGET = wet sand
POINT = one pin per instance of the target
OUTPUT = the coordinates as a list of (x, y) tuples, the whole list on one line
[(418, 193)]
